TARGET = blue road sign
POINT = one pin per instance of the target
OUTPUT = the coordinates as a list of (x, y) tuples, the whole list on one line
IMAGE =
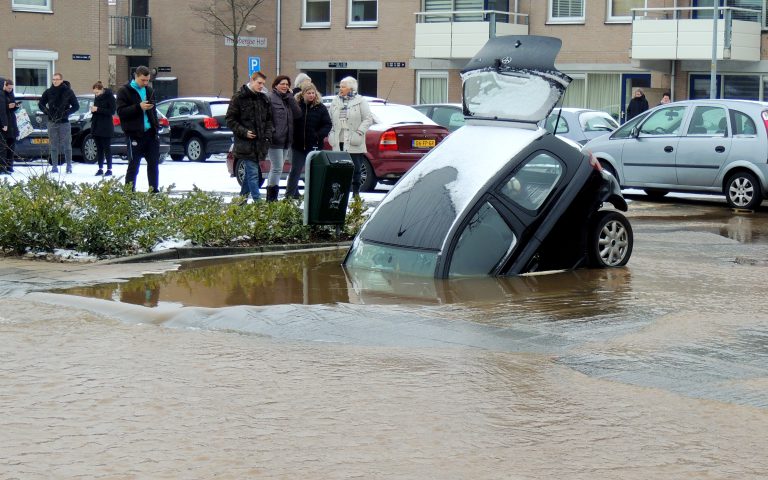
[(254, 65)]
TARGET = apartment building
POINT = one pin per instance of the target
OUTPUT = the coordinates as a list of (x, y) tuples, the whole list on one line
[(409, 51)]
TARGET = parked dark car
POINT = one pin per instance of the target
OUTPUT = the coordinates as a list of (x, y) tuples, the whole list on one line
[(500, 196), (449, 115), (83, 143), (36, 144), (399, 137), (198, 126)]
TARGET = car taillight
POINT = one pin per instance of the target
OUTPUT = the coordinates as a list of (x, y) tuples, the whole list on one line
[(115, 120), (164, 122), (388, 141), (765, 120), (210, 123), (595, 162)]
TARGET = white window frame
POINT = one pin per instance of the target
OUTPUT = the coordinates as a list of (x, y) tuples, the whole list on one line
[(306, 24), (21, 6), (34, 59), (361, 23), (577, 20), (431, 74), (611, 18)]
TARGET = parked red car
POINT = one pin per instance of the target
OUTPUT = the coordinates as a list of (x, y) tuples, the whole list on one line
[(398, 139)]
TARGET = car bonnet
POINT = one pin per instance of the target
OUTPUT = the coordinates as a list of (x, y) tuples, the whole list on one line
[(513, 78)]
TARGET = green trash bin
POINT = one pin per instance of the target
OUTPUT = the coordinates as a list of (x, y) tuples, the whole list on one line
[(327, 182)]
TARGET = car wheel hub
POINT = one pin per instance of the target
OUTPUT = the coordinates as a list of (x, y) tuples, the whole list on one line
[(194, 149), (613, 243), (741, 192)]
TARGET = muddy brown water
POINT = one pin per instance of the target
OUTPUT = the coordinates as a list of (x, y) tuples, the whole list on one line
[(286, 366)]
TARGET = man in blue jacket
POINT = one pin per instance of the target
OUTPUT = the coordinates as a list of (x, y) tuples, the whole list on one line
[(138, 117), (58, 102)]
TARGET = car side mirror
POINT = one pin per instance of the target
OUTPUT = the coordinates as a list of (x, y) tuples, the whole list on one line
[(635, 132)]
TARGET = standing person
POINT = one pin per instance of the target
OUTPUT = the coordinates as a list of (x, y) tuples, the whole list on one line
[(665, 99), (309, 131), (637, 105), (249, 116), (284, 111), (102, 127), (8, 107), (138, 117), (301, 80), (351, 117), (58, 102)]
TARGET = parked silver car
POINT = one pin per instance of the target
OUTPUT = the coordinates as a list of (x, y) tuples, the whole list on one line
[(580, 124), (710, 146)]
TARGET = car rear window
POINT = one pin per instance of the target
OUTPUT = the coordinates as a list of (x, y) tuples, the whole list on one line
[(219, 108), (742, 124), (393, 113)]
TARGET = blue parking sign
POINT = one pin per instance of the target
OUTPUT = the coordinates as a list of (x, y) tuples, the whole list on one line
[(254, 65)]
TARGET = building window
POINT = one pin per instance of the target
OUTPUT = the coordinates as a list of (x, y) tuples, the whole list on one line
[(432, 87), (317, 13), (32, 5), (476, 6), (566, 11), (363, 12), (621, 10), (33, 69)]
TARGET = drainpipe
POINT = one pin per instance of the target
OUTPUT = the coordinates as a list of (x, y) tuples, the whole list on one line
[(672, 82), (713, 67), (277, 42)]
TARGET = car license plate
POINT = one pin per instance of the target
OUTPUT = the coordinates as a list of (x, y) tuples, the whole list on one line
[(39, 141), (424, 143)]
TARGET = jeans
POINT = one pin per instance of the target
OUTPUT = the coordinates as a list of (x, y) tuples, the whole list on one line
[(60, 141), (104, 151), (277, 158), (298, 160), (148, 147), (251, 181)]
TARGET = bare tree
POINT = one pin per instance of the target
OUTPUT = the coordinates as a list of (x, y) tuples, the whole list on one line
[(227, 19)]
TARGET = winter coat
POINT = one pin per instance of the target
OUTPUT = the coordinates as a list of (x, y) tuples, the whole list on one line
[(636, 106), (101, 119), (58, 103), (130, 112), (310, 130), (284, 111), (7, 114), (249, 110), (359, 119)]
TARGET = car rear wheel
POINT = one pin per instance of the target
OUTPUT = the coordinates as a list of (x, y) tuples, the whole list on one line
[(88, 149), (656, 193), (195, 150), (367, 177), (177, 157), (743, 191), (610, 240)]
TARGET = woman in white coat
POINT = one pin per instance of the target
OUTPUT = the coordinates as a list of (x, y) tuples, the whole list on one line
[(351, 117)]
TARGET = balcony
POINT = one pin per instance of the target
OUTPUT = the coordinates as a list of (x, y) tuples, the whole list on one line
[(130, 36), (460, 34), (680, 34)]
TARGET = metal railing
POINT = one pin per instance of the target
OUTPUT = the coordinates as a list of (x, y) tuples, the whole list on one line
[(130, 32), (438, 16), (690, 13)]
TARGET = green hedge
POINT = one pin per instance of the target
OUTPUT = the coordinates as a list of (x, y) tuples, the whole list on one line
[(108, 219)]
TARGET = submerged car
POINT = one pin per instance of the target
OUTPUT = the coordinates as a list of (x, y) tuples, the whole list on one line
[(710, 146), (500, 196)]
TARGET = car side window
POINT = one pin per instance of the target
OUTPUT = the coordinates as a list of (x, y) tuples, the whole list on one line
[(485, 241), (664, 122), (742, 124), (708, 121), (448, 117), (625, 131), (163, 108), (531, 184), (562, 124), (597, 122)]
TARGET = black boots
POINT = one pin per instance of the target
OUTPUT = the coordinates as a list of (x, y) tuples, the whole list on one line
[(272, 193), (355, 191)]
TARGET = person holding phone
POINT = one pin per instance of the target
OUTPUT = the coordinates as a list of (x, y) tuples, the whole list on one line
[(138, 117), (8, 127)]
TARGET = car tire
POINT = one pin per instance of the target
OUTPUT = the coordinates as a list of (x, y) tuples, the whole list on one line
[(176, 157), (88, 149), (367, 177), (656, 193), (610, 240), (195, 149), (240, 173), (742, 191)]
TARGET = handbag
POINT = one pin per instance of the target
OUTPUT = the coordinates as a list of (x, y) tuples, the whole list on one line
[(23, 123)]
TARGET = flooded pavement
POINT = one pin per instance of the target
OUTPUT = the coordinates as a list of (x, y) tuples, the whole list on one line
[(285, 366)]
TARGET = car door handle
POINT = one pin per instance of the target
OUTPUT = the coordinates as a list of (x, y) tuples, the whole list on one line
[(668, 149), (719, 149)]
